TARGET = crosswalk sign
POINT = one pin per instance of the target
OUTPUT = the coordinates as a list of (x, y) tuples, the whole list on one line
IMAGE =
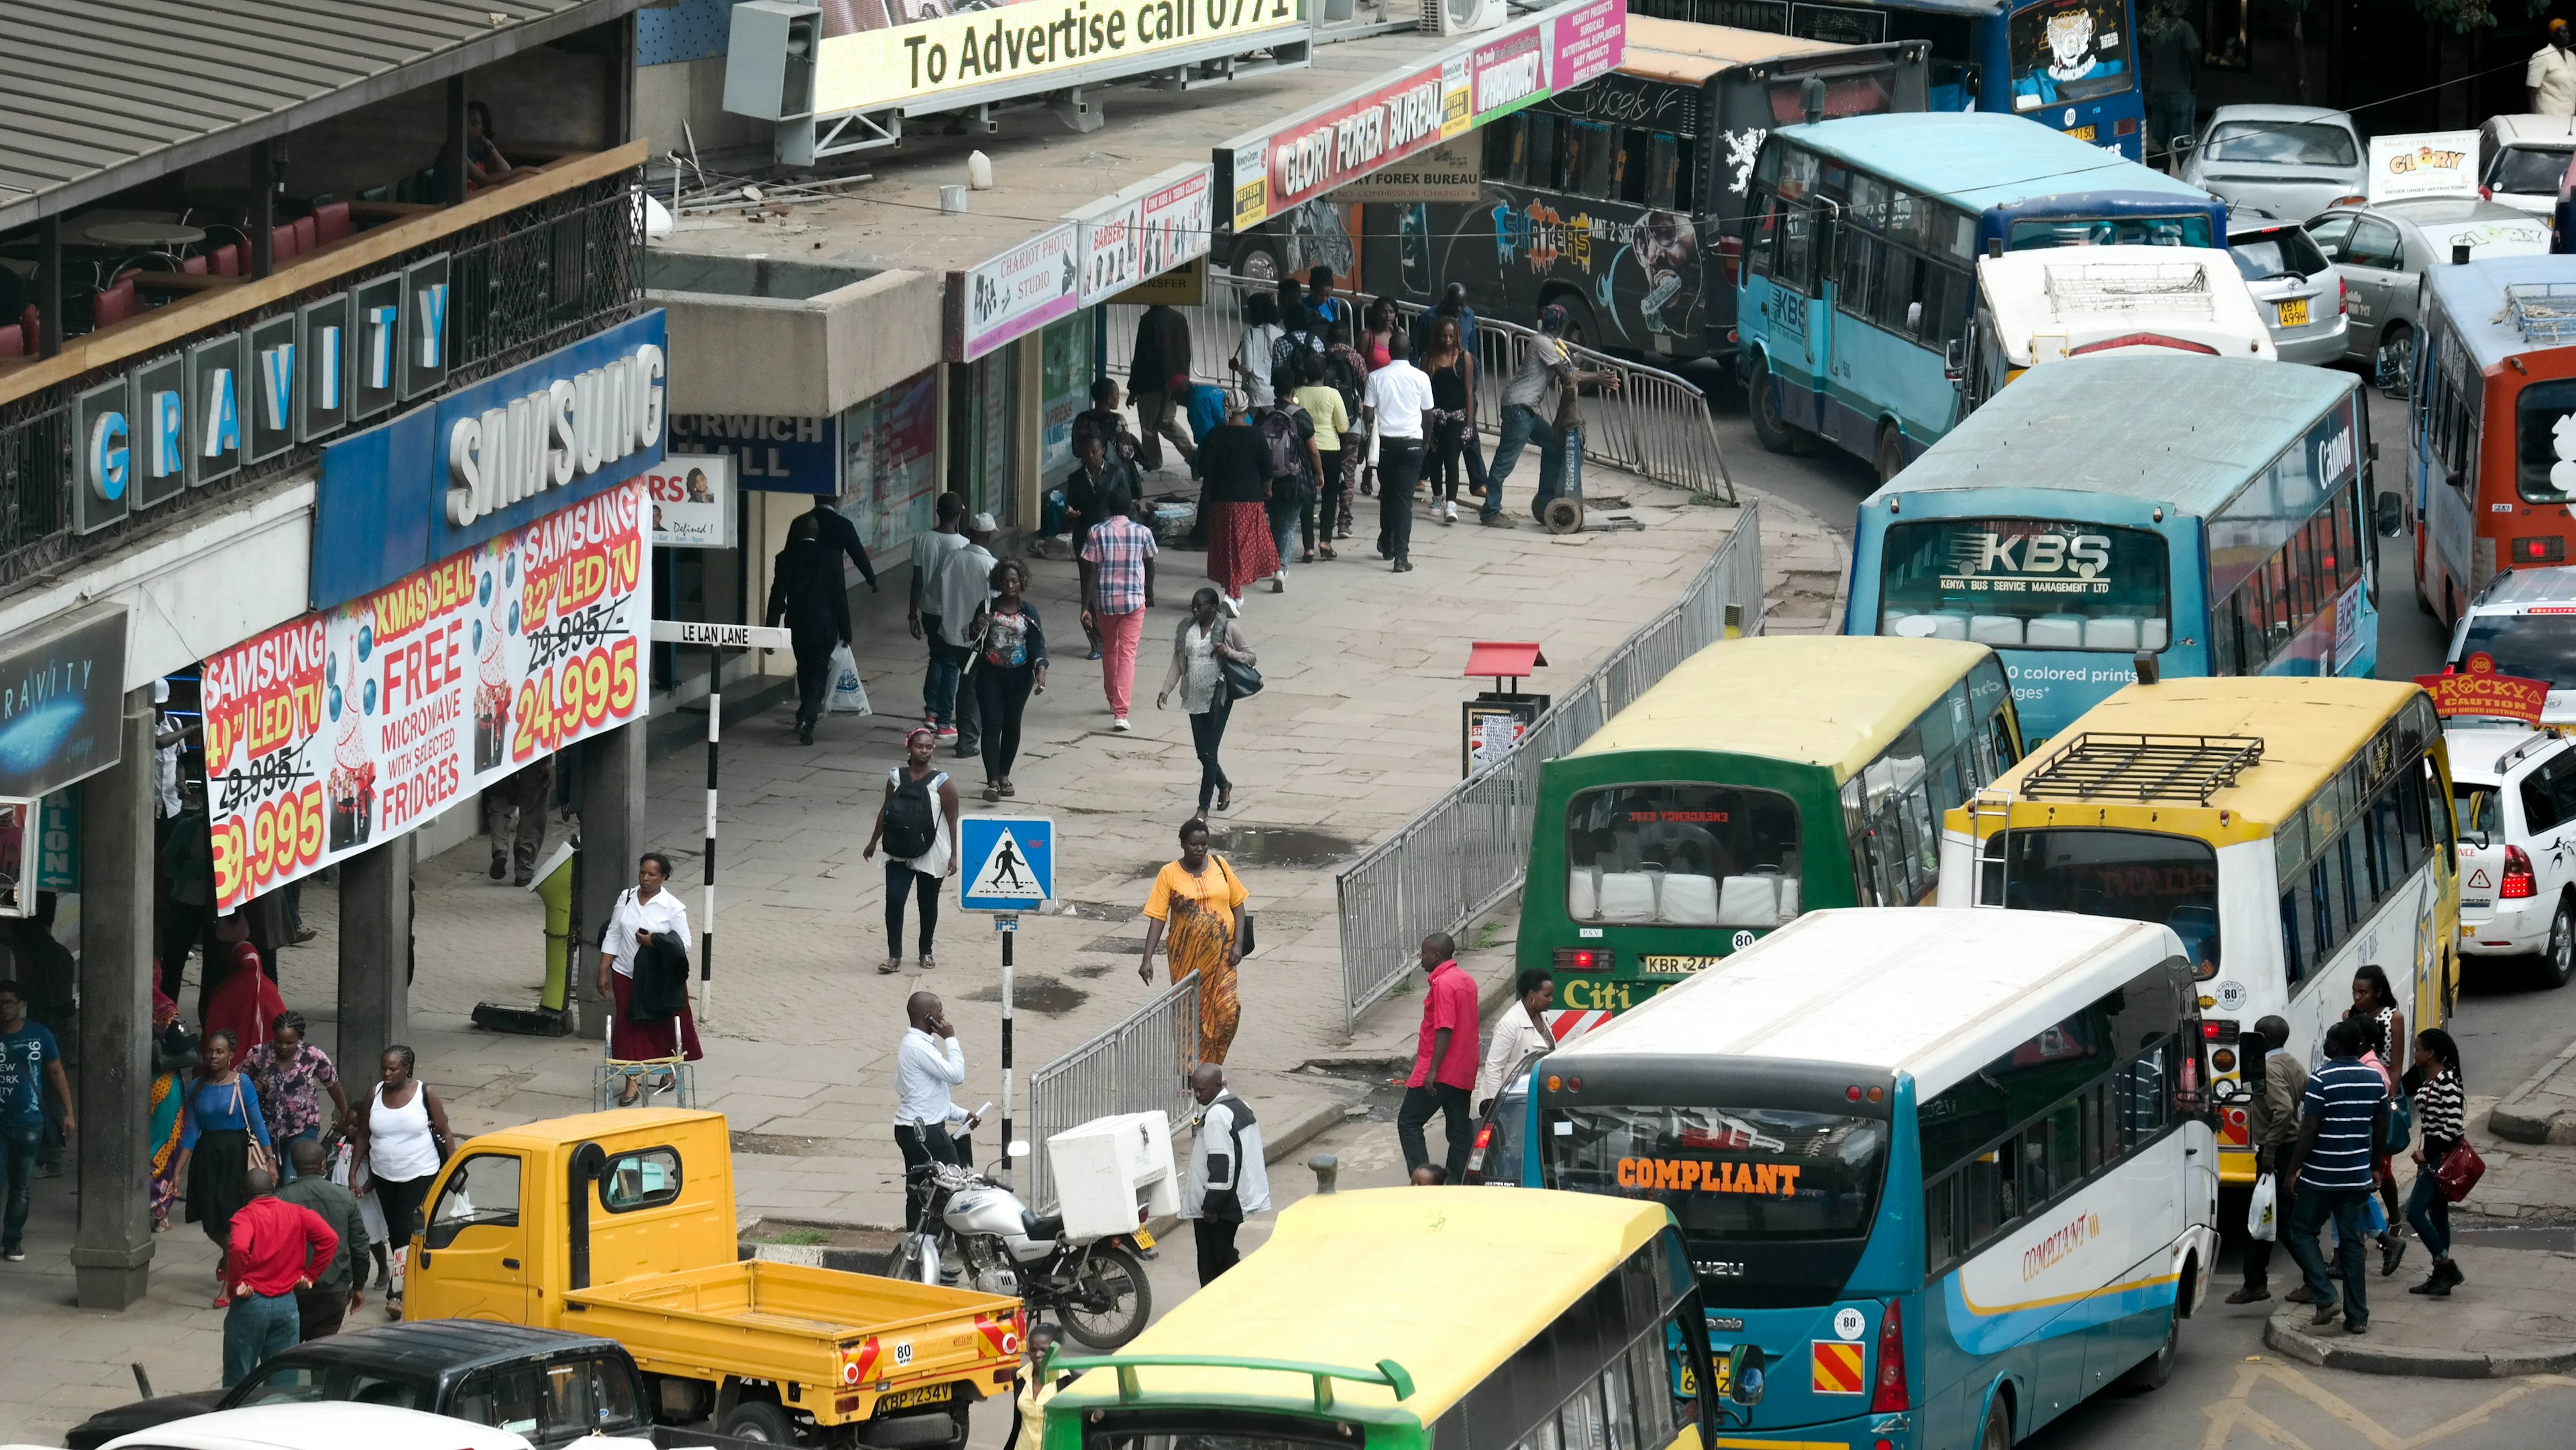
[(1008, 863)]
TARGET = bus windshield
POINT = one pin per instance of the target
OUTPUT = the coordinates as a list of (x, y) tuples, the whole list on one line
[(2027, 584), (2133, 875), (2122, 231), (2069, 50), (2540, 412), (2530, 646), (1682, 855)]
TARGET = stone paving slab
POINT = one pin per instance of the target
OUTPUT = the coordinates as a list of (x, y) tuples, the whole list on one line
[(2516, 1315)]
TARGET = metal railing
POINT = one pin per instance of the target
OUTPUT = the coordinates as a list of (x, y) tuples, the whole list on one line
[(1655, 423), (522, 284), (1468, 849), (1142, 1065)]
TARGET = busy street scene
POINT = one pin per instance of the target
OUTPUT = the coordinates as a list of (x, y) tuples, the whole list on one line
[(1286, 724)]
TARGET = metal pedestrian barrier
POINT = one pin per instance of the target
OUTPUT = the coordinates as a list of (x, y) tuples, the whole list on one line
[(1142, 1065), (1656, 423), (1469, 849)]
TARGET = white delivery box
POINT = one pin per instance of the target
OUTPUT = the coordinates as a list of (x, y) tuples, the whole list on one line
[(1113, 1173)]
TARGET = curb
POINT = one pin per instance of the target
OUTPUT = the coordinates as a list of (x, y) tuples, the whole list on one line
[(2517, 1126), (2288, 1332)]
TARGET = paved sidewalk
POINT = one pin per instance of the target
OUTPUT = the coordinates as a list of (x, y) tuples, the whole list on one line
[(2516, 1315)]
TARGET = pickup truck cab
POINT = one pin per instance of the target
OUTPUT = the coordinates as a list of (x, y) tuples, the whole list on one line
[(2513, 790), (621, 1225)]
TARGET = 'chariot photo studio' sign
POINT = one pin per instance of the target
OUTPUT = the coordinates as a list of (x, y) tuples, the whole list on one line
[(349, 726), (1014, 294)]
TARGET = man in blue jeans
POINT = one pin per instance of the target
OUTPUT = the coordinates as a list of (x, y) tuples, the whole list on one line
[(1548, 367), (2345, 1114), (29, 1062)]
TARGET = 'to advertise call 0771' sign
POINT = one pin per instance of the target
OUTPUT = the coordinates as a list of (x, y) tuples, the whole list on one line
[(350, 726)]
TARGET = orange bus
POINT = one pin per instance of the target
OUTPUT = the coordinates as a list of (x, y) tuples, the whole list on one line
[(2493, 425)]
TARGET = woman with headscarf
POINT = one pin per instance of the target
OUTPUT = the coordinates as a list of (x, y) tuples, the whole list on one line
[(174, 1051), (1195, 913), (808, 594), (244, 1001)]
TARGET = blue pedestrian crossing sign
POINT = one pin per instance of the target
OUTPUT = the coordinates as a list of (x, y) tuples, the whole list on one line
[(1006, 863)]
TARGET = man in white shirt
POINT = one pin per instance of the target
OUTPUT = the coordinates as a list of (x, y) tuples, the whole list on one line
[(1397, 402), (1520, 1031), (929, 551), (927, 1063), (2550, 79), (1229, 1178), (964, 586)]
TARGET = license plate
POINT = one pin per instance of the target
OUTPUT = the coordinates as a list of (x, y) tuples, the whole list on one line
[(906, 1399), (2294, 313), (2082, 133), (1677, 966), (1144, 1240)]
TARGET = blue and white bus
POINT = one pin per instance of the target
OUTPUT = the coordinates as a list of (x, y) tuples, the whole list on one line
[(2212, 512), (1949, 1170), (2071, 65), (1860, 239)]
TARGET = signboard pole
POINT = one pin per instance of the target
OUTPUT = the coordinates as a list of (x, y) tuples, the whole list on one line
[(1009, 927), (717, 638), (1007, 865)]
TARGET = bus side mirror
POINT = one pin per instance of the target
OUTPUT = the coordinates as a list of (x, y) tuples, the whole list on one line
[(1954, 359), (2388, 515), (1744, 1374)]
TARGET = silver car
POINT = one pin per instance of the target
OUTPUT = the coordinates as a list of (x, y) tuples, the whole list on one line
[(2383, 252), (2296, 289), (2522, 160), (2292, 161)]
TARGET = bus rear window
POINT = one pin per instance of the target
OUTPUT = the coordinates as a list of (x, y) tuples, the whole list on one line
[(2026, 584), (2133, 875), (2543, 413), (1727, 1173), (1681, 855), (2122, 231)]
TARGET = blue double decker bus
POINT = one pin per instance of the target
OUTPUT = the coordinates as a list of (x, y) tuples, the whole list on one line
[(1860, 241), (2212, 512), (1942, 1172), (2071, 65)]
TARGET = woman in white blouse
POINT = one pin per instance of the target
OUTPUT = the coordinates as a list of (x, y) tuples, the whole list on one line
[(643, 911), (1520, 1031)]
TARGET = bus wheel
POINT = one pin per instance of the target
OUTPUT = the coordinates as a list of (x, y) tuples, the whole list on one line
[(1763, 402), (2152, 1372), (1891, 452), (1998, 1431)]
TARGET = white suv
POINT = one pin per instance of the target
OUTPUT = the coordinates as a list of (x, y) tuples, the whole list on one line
[(2514, 791), (2525, 621)]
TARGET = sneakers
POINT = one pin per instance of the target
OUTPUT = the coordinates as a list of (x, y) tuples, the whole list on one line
[(947, 733), (14, 1255), (500, 865), (1449, 511), (1120, 725), (1496, 521), (1232, 606), (2250, 1294), (1279, 582), (2326, 1314)]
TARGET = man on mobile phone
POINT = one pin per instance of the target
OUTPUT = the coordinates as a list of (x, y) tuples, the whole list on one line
[(929, 1127)]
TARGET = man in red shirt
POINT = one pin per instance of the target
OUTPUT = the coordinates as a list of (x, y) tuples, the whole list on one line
[(277, 1248), (1444, 1065)]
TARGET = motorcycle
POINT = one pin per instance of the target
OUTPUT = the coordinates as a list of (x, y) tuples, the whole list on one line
[(1095, 1287)]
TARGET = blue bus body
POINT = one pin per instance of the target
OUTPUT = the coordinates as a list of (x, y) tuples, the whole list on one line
[(1859, 253), (2212, 512), (2070, 65)]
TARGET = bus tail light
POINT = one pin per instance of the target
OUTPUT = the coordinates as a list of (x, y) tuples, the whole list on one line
[(2518, 883), (1730, 259), (2548, 550), (1585, 959), (1476, 1154), (1889, 1394)]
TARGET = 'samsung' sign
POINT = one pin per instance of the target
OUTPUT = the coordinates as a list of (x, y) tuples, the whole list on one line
[(201, 414)]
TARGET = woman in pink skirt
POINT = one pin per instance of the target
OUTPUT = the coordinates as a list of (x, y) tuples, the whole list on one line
[(1236, 465)]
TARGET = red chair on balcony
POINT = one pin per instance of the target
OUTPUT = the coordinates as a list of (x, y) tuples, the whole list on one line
[(226, 260), (281, 246), (307, 235), (331, 222), (116, 304), (13, 341), (194, 266)]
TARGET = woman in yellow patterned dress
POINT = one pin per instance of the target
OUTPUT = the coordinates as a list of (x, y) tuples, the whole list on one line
[(1196, 914)]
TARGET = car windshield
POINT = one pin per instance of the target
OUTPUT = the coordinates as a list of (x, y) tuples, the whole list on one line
[(306, 1384), (2133, 875), (2026, 584), (2282, 252), (2289, 143), (2528, 646), (2527, 169)]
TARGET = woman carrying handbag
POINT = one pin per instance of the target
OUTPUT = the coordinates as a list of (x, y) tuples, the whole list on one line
[(2438, 1109), (223, 1135), (1213, 665)]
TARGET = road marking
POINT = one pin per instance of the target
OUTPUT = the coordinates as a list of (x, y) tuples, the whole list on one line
[(2236, 1411)]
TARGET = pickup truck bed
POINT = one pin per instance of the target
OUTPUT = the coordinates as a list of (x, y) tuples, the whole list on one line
[(840, 1343)]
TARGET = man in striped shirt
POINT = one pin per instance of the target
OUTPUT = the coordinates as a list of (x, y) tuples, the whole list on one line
[(2344, 1114)]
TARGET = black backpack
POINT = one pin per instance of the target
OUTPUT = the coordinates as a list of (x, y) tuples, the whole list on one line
[(1283, 451), (911, 821)]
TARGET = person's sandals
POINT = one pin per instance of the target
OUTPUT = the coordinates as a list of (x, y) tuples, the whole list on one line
[(992, 792), (889, 966), (927, 963), (393, 1307), (634, 1088), (1007, 788)]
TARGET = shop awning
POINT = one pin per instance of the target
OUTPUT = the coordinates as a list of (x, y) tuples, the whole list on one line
[(104, 95)]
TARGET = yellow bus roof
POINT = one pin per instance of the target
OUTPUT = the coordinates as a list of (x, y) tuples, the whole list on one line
[(1686, 53), (1824, 699), (2310, 727), (1447, 1282)]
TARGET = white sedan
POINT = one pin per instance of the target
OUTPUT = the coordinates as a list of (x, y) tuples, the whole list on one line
[(328, 1426), (2291, 161)]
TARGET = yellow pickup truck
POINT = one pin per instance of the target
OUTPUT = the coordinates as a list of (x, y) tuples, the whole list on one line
[(621, 1224)]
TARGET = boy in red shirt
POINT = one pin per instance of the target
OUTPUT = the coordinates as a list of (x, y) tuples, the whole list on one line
[(1444, 1063), (277, 1248)]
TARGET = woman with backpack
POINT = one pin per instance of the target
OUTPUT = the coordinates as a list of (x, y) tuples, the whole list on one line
[(1238, 462), (917, 823), (1288, 435)]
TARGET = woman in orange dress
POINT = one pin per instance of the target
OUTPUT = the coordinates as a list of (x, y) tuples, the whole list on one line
[(1196, 914)]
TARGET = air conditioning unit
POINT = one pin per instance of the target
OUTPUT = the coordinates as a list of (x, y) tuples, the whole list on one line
[(1462, 17)]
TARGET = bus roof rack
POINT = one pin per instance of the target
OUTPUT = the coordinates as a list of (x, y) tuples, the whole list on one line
[(1387, 1372), (2101, 764), (2180, 288), (2542, 311)]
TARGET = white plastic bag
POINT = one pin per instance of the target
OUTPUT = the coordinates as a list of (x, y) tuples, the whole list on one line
[(849, 695), (2261, 1224)]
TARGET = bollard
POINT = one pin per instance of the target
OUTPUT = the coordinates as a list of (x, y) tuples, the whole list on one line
[(1326, 1167)]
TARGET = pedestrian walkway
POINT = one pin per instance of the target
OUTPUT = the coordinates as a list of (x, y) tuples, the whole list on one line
[(2516, 1315)]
